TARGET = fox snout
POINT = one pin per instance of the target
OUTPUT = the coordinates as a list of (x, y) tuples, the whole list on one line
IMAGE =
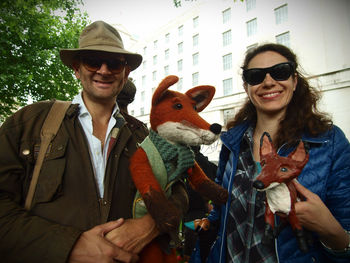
[(215, 128), (258, 185)]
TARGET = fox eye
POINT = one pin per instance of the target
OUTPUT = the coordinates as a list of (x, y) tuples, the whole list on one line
[(195, 107), (177, 106), (284, 169)]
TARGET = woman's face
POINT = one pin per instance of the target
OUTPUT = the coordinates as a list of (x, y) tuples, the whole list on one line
[(270, 97)]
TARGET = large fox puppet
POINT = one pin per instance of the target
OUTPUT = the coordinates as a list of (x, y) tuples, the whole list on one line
[(164, 157)]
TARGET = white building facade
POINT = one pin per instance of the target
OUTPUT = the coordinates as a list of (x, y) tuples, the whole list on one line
[(206, 46)]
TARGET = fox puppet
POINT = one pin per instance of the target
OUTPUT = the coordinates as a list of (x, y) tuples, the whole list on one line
[(165, 157)]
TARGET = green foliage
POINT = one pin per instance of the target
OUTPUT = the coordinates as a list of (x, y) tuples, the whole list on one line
[(32, 32)]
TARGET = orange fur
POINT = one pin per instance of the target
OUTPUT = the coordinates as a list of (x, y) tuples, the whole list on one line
[(174, 116)]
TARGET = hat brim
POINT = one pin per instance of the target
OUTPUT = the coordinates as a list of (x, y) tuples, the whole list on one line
[(68, 55)]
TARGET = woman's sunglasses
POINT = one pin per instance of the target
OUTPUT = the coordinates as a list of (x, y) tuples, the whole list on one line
[(278, 72), (93, 64)]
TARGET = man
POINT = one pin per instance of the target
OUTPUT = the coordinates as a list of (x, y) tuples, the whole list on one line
[(84, 184)]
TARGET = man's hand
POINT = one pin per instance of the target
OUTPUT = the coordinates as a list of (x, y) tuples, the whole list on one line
[(314, 215), (134, 234), (92, 246)]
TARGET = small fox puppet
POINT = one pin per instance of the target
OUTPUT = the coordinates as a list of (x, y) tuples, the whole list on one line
[(275, 179), (164, 157)]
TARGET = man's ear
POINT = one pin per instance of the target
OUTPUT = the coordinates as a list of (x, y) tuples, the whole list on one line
[(127, 72), (75, 66)]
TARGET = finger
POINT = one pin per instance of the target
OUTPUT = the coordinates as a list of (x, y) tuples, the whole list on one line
[(302, 190), (105, 228), (124, 256)]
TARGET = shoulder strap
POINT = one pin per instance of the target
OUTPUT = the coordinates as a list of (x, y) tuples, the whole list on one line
[(48, 132)]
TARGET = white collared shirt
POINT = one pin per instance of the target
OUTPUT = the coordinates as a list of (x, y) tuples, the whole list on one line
[(99, 157)]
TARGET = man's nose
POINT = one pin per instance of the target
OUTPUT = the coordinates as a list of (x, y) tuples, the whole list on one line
[(104, 69)]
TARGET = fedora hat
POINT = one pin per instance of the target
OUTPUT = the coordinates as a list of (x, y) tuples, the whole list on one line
[(100, 36)]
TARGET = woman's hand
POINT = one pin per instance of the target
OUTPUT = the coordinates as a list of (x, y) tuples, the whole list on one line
[(314, 215), (134, 234)]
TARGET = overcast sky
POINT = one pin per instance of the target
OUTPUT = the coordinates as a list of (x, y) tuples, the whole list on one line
[(139, 17)]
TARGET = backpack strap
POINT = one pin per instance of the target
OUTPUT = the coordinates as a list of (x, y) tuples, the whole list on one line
[(48, 132)]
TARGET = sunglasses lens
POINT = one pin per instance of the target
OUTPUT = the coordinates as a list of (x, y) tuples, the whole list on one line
[(116, 66), (278, 72), (281, 71), (91, 63), (254, 76), (94, 64)]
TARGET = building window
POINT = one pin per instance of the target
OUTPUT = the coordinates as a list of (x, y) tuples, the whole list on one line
[(166, 54), (195, 40), (227, 61), (229, 114), (179, 84), (143, 96), (283, 39), (142, 111), (195, 58), (250, 4), (226, 38), (252, 27), (144, 64), (155, 60), (227, 86), (195, 22), (154, 75), (226, 15), (180, 30), (155, 44), (195, 79), (144, 51), (166, 70), (180, 47), (167, 38), (179, 65), (281, 14), (132, 112), (143, 81)]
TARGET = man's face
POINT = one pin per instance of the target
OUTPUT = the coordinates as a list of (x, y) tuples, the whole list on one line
[(102, 75)]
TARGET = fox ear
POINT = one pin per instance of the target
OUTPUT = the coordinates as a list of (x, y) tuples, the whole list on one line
[(266, 146), (299, 154), (202, 95), (163, 88)]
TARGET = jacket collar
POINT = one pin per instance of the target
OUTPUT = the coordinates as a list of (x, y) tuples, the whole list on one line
[(233, 137)]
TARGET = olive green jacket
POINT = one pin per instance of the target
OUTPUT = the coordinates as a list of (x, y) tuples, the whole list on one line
[(66, 202)]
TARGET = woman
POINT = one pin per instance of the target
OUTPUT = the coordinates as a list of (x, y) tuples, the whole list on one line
[(281, 102)]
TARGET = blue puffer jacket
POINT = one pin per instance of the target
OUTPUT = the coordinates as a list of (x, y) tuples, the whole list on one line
[(327, 174)]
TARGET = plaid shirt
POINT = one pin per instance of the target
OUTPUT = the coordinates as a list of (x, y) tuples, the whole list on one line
[(245, 225)]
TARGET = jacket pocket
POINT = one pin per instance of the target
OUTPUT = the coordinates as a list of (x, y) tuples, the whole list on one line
[(50, 180)]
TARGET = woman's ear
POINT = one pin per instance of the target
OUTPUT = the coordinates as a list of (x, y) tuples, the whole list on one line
[(245, 86), (295, 81)]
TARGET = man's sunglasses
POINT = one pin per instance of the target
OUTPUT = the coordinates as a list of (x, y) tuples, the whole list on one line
[(92, 64), (278, 72)]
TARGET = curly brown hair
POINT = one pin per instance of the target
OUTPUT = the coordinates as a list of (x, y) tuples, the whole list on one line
[(302, 114)]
